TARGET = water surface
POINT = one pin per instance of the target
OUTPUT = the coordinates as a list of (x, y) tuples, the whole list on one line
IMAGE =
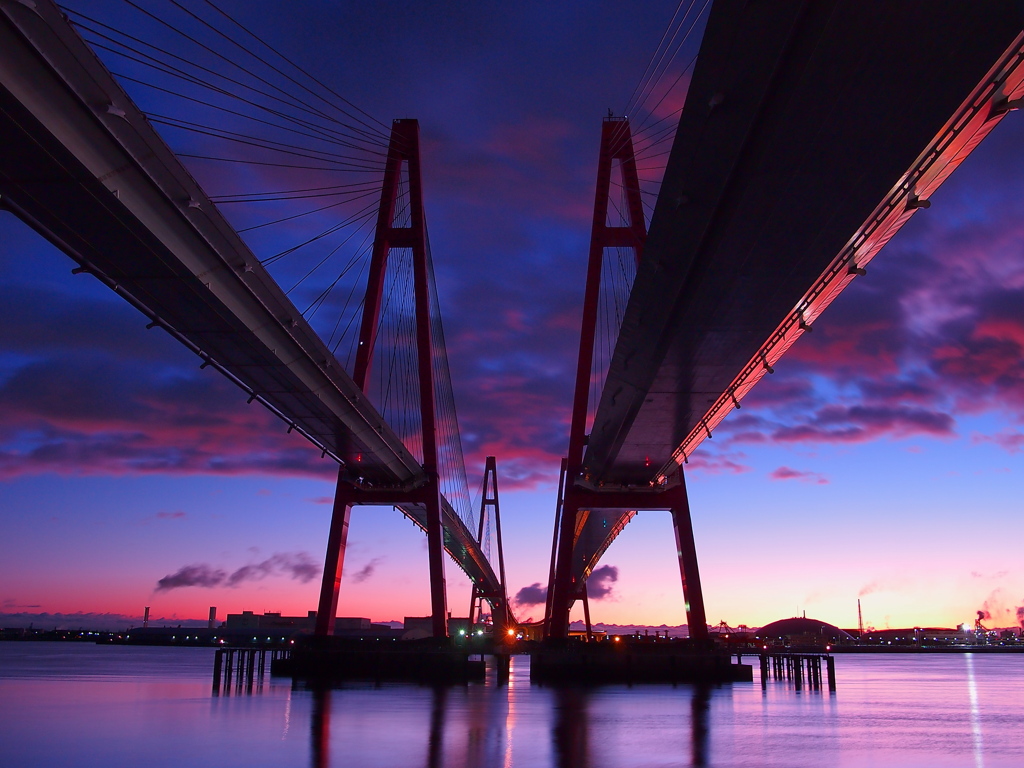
[(72, 704)]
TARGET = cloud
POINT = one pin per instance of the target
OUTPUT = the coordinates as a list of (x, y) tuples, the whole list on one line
[(859, 423), (177, 423), (199, 575), (990, 576), (715, 462), (296, 565), (601, 581), (599, 587), (534, 594), (366, 571), (107, 397), (11, 602), (1010, 441), (94, 622), (176, 515), (785, 473)]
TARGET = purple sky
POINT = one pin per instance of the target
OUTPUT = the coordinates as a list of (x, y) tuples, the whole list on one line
[(883, 459)]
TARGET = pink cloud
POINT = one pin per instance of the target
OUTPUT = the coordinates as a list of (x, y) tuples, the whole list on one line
[(785, 473), (1009, 441), (177, 515), (181, 426), (716, 463)]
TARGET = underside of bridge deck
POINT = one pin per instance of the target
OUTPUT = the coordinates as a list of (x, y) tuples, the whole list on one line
[(801, 119)]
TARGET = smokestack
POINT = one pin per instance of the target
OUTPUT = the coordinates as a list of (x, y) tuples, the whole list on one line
[(860, 620), (145, 618), (213, 616)]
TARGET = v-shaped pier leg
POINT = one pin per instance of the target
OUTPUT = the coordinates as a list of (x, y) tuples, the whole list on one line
[(693, 595)]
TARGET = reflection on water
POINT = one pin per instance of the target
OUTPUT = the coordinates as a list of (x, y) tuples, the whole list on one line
[(100, 706), (320, 728), (472, 726), (699, 707), (570, 730), (972, 694)]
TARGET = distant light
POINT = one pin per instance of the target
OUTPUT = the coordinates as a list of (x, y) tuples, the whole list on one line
[(616, 639), (462, 631), (511, 633)]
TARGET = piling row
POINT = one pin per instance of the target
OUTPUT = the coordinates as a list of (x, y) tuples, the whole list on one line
[(242, 666), (798, 668)]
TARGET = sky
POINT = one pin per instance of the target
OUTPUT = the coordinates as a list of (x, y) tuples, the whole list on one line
[(882, 461)]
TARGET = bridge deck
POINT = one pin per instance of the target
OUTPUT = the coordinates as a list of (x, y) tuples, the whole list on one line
[(801, 117), (83, 167)]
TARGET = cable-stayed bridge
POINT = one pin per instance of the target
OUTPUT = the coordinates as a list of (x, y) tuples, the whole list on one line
[(84, 167), (811, 131)]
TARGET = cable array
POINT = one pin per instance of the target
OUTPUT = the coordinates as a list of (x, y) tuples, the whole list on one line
[(618, 271), (297, 170), (653, 113), (451, 465), (295, 167), (657, 100)]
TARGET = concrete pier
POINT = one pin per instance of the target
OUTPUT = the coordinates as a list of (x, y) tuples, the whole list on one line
[(624, 662), (334, 659)]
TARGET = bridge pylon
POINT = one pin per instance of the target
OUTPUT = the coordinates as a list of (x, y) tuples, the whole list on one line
[(501, 617), (577, 499), (403, 149)]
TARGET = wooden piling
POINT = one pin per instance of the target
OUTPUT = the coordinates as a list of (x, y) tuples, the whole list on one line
[(242, 667), (802, 669)]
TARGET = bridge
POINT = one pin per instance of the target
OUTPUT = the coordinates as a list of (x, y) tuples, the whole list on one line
[(84, 167), (811, 132)]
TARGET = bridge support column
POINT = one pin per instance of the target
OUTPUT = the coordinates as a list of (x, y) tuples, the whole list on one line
[(693, 595), (501, 617), (334, 562), (403, 150), (616, 144), (435, 563), (562, 588), (586, 613)]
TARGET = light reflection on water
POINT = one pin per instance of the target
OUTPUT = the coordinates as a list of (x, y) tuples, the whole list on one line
[(81, 705)]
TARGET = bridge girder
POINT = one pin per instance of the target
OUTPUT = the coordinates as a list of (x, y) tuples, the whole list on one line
[(811, 132), (84, 168)]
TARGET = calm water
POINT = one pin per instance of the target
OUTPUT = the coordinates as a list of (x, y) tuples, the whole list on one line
[(83, 705)]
